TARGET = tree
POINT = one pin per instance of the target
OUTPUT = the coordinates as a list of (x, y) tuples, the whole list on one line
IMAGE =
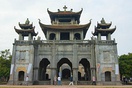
[(5, 54), (125, 65), (5, 63)]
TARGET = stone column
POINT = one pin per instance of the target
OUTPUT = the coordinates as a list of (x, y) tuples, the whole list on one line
[(53, 74), (93, 61), (35, 65), (58, 35), (35, 75), (47, 35), (75, 75), (109, 36), (20, 37), (12, 69), (75, 64), (30, 58), (93, 72), (53, 63), (82, 36), (71, 35), (29, 36), (99, 36)]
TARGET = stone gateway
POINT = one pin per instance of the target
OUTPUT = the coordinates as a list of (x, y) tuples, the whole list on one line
[(64, 52)]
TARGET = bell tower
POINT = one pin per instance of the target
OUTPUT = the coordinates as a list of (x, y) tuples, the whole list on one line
[(103, 29), (107, 68), (27, 29)]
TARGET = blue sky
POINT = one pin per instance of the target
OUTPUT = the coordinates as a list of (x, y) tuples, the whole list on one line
[(119, 12)]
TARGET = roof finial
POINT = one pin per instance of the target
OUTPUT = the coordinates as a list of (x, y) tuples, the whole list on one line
[(27, 21), (103, 21), (65, 8)]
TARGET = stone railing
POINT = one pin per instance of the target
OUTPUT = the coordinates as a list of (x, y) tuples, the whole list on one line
[(21, 42), (65, 41), (51, 41), (64, 23), (106, 42)]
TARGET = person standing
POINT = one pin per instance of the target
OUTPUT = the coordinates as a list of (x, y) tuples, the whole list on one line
[(94, 81), (126, 80), (27, 80), (55, 80), (59, 80), (71, 81)]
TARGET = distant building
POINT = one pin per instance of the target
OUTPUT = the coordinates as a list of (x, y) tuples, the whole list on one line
[(64, 52)]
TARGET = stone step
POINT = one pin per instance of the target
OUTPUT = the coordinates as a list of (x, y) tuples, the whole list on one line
[(44, 82), (64, 82)]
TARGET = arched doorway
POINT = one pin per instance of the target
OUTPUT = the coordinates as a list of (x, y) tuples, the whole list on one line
[(81, 72), (44, 69), (65, 73), (64, 68), (21, 76), (77, 36), (84, 70), (52, 36), (107, 76)]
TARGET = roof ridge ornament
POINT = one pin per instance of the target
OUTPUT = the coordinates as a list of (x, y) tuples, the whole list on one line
[(27, 21), (64, 7), (103, 21)]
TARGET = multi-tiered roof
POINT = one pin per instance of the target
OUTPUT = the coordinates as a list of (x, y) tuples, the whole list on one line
[(103, 28), (26, 29), (65, 14), (64, 20)]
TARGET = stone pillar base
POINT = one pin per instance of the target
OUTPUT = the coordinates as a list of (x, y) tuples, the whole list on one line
[(109, 83), (10, 82), (36, 82)]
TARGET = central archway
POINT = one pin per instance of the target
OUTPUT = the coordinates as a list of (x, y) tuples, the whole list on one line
[(64, 68), (66, 72)]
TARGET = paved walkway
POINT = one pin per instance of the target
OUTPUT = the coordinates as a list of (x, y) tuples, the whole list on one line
[(64, 86)]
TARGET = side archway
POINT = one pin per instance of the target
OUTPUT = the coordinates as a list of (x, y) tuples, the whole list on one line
[(21, 75), (107, 76), (84, 70), (77, 36), (52, 36), (44, 69)]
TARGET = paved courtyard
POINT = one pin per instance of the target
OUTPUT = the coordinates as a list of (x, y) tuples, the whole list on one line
[(64, 86)]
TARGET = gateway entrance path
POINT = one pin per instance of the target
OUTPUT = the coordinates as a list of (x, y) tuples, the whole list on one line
[(63, 86)]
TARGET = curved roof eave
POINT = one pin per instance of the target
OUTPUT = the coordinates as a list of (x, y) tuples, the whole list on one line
[(102, 25), (64, 27), (25, 26), (103, 30), (42, 26), (112, 29), (86, 29), (76, 27), (26, 31), (64, 12)]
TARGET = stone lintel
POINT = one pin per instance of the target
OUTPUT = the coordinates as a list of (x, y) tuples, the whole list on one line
[(93, 67), (35, 68)]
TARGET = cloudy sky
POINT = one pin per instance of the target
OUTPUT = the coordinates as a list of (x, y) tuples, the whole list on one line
[(119, 12)]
